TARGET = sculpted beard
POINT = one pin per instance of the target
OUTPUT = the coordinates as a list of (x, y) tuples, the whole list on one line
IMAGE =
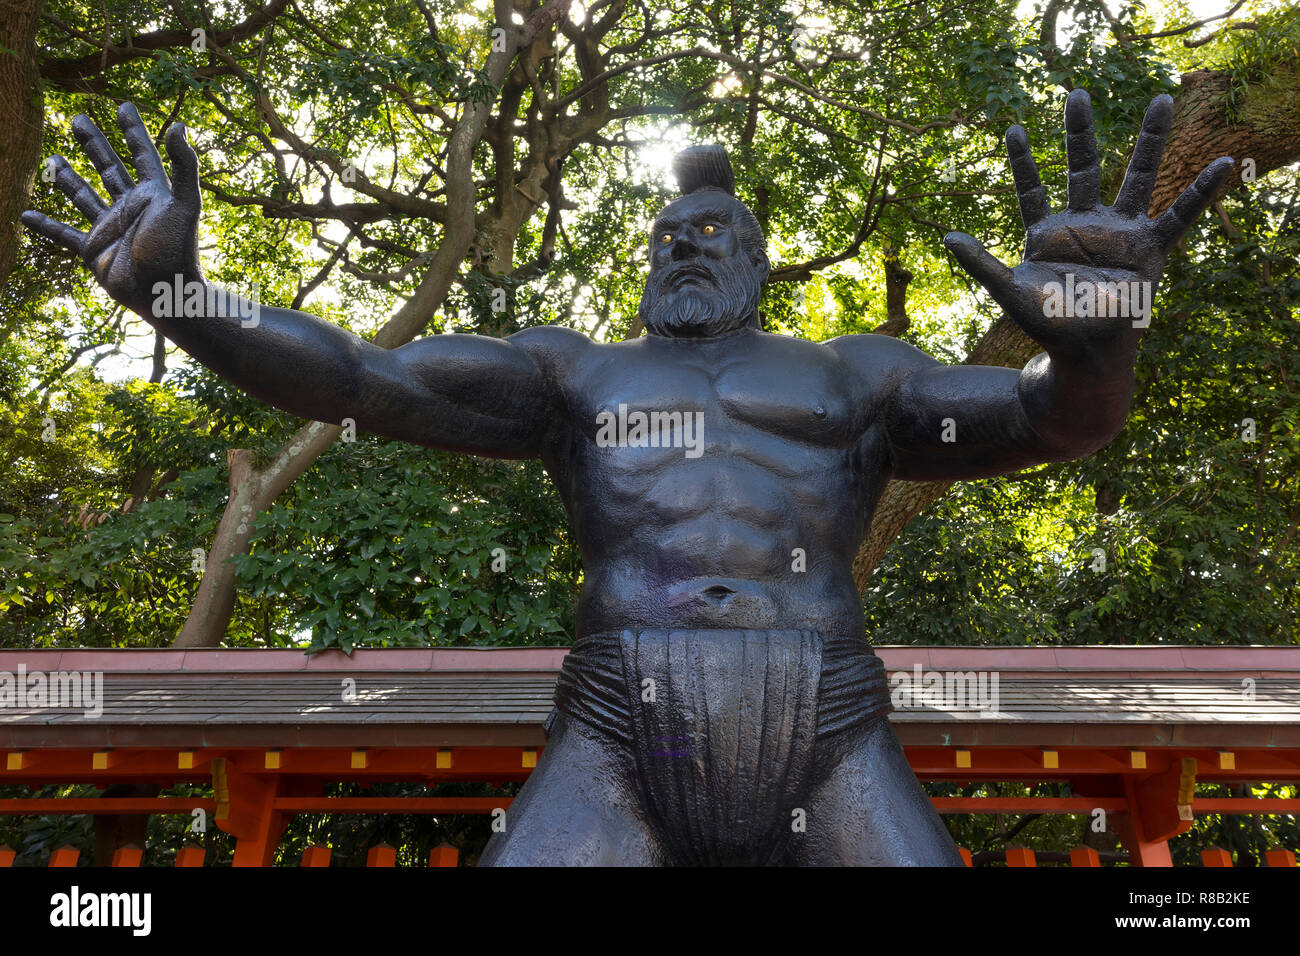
[(695, 310)]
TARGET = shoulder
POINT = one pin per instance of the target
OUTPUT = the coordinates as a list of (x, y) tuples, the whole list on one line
[(552, 346), (880, 363), (880, 353)]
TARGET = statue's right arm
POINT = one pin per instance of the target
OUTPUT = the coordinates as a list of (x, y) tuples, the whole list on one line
[(465, 393), (459, 392)]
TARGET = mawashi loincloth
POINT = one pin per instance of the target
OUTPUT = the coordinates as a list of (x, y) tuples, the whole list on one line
[(723, 726)]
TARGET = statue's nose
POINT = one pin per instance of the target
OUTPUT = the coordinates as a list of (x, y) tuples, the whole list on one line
[(684, 247)]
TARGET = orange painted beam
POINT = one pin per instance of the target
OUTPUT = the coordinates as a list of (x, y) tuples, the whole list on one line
[(444, 855), (965, 855), (1263, 805), (1215, 856), (381, 855), (1084, 856), (39, 806), (390, 804), (65, 856), (190, 855), (7, 855), (1020, 856), (1028, 804), (316, 856), (1280, 857), (128, 856)]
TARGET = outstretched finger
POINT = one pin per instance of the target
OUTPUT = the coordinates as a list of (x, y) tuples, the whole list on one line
[(1081, 152), (1195, 199), (78, 190), (1140, 179), (1029, 188), (148, 164), (61, 233), (103, 157), (982, 265), (185, 167)]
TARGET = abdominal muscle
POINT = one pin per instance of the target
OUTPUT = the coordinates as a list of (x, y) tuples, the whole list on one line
[(631, 593)]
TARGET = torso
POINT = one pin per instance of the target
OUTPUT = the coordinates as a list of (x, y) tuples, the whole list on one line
[(758, 531)]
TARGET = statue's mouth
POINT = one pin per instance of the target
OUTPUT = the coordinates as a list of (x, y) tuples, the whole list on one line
[(684, 274)]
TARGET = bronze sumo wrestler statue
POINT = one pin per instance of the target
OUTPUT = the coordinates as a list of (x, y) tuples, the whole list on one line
[(721, 705)]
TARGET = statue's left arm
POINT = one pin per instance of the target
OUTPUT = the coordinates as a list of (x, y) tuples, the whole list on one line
[(1083, 292)]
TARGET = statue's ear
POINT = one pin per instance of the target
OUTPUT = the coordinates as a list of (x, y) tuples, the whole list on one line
[(761, 263)]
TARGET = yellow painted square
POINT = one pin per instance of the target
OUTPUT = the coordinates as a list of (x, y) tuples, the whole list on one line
[(443, 760), (1137, 759), (963, 758), (530, 758)]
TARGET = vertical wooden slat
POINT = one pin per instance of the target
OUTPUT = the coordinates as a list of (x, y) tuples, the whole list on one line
[(1020, 856), (316, 855), (444, 855), (129, 855), (1216, 857), (381, 854), (1084, 856), (190, 855), (65, 856)]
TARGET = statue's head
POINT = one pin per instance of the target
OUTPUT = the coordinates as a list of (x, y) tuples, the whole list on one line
[(708, 258)]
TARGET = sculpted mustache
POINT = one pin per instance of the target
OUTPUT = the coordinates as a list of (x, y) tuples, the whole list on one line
[(693, 268)]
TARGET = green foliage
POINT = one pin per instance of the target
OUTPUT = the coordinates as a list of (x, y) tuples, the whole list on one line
[(104, 520), (390, 545)]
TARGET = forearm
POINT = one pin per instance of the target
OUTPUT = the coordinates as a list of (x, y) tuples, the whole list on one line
[(289, 359), (951, 422)]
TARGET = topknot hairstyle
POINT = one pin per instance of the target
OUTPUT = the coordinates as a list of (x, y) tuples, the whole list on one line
[(704, 167)]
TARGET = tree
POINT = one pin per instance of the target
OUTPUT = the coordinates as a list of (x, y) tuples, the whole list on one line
[(461, 172)]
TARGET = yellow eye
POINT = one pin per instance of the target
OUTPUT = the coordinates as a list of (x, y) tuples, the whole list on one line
[(666, 238), (708, 230)]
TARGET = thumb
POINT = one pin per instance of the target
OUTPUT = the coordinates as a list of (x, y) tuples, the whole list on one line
[(185, 168), (982, 266)]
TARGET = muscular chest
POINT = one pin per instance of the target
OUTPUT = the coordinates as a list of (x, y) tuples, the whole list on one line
[(807, 404)]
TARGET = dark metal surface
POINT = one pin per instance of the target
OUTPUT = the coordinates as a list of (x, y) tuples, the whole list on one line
[(751, 520)]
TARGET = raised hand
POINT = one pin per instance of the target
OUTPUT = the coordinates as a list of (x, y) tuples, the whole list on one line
[(1113, 249), (149, 232)]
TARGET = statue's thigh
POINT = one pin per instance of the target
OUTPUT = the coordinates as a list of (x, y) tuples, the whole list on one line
[(870, 810), (578, 808)]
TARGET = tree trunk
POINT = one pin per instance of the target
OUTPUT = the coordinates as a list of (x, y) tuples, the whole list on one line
[(252, 491), (22, 110)]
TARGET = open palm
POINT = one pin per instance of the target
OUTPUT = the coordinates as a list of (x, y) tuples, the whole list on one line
[(149, 233), (1087, 242)]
